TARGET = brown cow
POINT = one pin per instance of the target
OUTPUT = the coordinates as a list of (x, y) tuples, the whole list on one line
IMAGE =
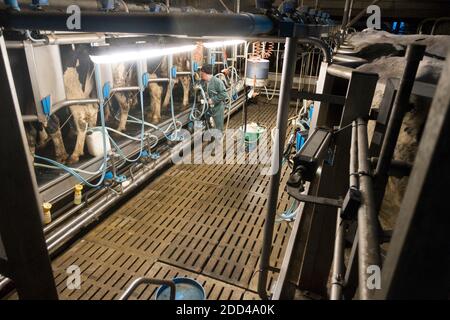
[(182, 63)]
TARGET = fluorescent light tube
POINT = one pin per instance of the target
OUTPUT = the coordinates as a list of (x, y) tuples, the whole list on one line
[(139, 54), (218, 44)]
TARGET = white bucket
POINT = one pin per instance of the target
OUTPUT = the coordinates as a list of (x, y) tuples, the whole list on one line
[(94, 141)]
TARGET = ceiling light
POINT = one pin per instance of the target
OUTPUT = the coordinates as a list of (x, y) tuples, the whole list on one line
[(218, 44), (139, 54)]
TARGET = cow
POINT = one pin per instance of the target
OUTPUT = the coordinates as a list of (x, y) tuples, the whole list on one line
[(371, 44), (38, 133), (79, 84), (392, 66), (125, 76), (182, 63)]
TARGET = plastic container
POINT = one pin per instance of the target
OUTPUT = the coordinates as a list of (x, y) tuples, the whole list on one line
[(47, 217), (94, 141), (252, 135), (78, 196), (257, 73)]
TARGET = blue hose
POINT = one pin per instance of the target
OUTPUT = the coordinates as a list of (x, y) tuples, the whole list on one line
[(105, 157), (289, 214), (141, 96), (104, 133)]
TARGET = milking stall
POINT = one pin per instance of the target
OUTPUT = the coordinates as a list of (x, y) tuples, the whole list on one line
[(224, 150)]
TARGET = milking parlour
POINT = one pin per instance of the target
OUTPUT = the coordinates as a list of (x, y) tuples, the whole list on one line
[(225, 150)]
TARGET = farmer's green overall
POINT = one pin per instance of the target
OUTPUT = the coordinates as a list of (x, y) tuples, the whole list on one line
[(216, 91)]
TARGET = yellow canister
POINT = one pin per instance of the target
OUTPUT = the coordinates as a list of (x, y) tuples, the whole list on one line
[(78, 194), (47, 218)]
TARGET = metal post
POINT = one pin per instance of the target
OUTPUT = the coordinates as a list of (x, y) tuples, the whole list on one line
[(350, 11), (413, 57), (368, 244), (290, 57), (21, 231), (338, 260), (345, 15), (417, 264), (193, 24)]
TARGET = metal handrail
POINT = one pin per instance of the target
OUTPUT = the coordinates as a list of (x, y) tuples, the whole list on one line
[(140, 281)]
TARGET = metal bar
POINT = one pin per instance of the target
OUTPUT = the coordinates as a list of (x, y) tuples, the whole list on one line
[(20, 221), (361, 14), (313, 199), (420, 89), (68, 103), (193, 24), (350, 11), (353, 169), (368, 248), (397, 168), (158, 80), (74, 38), (136, 283), (413, 57), (337, 278), (346, 13), (288, 72), (67, 214), (351, 274), (125, 89), (417, 264), (335, 99), (340, 71), (349, 61), (184, 73)]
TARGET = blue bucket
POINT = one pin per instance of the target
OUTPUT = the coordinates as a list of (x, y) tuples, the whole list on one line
[(186, 289)]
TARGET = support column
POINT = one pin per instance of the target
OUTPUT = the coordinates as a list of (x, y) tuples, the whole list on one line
[(290, 58)]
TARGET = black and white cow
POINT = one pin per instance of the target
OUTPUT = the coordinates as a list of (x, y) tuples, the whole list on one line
[(392, 66)]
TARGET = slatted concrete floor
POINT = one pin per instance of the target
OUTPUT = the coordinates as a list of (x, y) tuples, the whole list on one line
[(201, 221)]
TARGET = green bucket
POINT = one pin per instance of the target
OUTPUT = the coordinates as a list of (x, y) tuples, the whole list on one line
[(252, 135)]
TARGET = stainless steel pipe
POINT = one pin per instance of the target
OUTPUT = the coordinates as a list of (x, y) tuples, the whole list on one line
[(290, 58), (368, 242)]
